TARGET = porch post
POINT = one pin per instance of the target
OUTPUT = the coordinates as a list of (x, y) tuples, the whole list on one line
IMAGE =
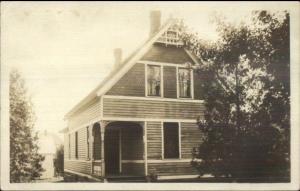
[(91, 143), (145, 147), (91, 147), (102, 127)]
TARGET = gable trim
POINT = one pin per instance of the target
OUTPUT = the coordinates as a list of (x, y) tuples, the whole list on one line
[(159, 63)]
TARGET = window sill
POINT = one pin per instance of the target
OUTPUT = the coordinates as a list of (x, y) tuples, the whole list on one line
[(171, 159), (185, 98)]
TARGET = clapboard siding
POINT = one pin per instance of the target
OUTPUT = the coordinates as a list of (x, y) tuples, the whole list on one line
[(170, 54), (172, 168), (78, 166), (82, 143), (133, 168), (191, 137), (170, 89), (72, 145), (151, 109), (132, 83), (154, 140), (89, 112)]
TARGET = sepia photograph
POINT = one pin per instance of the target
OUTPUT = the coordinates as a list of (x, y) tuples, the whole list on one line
[(150, 94)]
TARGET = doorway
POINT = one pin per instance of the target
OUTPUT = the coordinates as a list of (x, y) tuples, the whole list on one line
[(112, 151)]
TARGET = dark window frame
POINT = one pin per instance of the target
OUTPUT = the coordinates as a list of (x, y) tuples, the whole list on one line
[(76, 144), (69, 151), (181, 84), (157, 92), (88, 142), (171, 148)]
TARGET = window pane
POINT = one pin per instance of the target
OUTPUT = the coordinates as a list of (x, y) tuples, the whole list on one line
[(69, 146), (171, 140), (87, 142), (76, 145), (153, 80), (184, 76)]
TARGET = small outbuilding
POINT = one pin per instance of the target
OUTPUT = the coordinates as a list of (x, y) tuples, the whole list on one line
[(48, 143)]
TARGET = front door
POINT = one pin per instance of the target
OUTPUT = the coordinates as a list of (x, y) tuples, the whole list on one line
[(112, 155)]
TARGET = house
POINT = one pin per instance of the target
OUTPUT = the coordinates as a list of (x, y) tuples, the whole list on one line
[(141, 120), (48, 145)]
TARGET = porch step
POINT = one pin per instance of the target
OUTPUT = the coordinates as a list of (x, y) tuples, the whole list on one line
[(125, 179)]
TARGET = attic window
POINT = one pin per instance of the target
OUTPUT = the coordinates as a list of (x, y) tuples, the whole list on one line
[(153, 80)]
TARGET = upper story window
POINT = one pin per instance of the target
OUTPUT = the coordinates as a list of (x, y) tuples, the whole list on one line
[(153, 80), (184, 82)]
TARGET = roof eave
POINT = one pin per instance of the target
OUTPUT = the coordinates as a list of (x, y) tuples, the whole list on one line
[(102, 88)]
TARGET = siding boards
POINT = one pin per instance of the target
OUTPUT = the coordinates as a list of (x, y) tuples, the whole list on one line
[(78, 166), (152, 109), (191, 136), (86, 114), (72, 145), (170, 54), (131, 84), (154, 144), (170, 89), (82, 144), (171, 168)]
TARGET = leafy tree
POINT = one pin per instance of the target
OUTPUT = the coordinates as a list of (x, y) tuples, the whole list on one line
[(25, 162), (247, 118), (59, 160)]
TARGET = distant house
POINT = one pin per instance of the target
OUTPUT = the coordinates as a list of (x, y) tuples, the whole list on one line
[(48, 144), (141, 120)]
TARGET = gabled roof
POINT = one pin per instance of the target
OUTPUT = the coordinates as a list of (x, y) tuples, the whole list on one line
[(125, 66), (118, 72)]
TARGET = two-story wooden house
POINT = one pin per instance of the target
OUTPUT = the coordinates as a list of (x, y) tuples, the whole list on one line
[(142, 119)]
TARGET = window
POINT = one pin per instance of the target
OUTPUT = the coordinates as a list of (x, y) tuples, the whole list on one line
[(87, 142), (69, 146), (171, 140), (153, 80), (184, 78), (76, 144)]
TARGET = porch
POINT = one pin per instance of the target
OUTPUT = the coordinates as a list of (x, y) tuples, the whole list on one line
[(118, 149)]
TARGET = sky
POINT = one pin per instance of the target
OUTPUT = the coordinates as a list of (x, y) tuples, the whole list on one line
[(64, 49)]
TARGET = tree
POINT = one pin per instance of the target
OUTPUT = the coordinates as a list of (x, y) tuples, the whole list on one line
[(247, 114), (25, 162), (59, 160)]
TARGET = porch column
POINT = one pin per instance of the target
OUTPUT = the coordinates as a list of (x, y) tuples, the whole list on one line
[(91, 143), (91, 147), (145, 147), (102, 129)]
